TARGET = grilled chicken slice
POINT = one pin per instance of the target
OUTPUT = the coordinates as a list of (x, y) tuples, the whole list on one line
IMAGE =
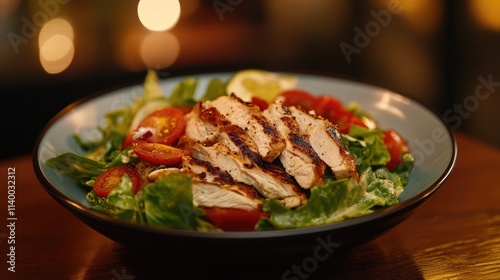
[(216, 128), (225, 196), (268, 179), (197, 128), (211, 194), (249, 117), (161, 172), (298, 158), (325, 140), (206, 172)]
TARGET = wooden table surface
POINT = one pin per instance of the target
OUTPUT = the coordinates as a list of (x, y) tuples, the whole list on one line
[(454, 235)]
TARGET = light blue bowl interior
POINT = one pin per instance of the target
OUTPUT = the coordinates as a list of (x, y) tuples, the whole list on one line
[(428, 136)]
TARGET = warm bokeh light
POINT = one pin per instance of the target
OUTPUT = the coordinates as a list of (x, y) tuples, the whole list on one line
[(56, 26), (7, 7), (189, 7), (159, 15), (159, 50), (56, 46), (127, 52), (422, 15), (486, 12)]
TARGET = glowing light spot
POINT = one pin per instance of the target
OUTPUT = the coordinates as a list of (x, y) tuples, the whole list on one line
[(486, 13), (159, 50), (56, 47), (7, 7), (159, 15), (127, 52)]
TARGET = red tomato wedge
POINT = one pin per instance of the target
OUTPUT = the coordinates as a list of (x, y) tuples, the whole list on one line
[(233, 219), (111, 178), (168, 125), (396, 146), (261, 103), (328, 107), (158, 154), (299, 98), (128, 140), (333, 110)]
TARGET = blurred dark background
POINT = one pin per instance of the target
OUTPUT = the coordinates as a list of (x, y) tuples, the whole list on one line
[(443, 53)]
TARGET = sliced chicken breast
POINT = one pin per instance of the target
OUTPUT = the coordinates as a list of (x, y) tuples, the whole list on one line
[(206, 172), (268, 179), (298, 158), (249, 117), (220, 129), (325, 140), (197, 128), (211, 194), (236, 196)]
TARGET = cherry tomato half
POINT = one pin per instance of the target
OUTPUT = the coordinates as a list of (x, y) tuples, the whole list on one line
[(261, 103), (298, 98), (128, 140), (328, 107), (168, 125), (158, 154), (333, 110), (229, 219), (396, 146), (111, 178)]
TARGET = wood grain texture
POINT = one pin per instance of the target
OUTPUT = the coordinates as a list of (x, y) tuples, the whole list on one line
[(454, 235)]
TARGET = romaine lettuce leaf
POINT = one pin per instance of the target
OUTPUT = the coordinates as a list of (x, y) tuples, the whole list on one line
[(183, 93), (336, 201), (84, 169), (121, 202), (367, 146), (76, 166), (215, 88), (169, 202)]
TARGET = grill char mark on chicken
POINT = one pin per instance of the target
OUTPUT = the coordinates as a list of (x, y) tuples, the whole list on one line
[(249, 117), (268, 179), (326, 141), (212, 188), (298, 158)]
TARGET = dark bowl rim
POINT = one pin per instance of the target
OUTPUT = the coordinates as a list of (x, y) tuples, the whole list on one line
[(378, 215)]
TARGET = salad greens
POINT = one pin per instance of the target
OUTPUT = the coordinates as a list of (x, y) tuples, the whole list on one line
[(339, 200), (168, 201)]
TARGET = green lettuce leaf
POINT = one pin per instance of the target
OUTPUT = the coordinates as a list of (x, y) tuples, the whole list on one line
[(84, 169), (336, 201), (169, 202), (121, 202), (76, 166), (367, 146), (183, 93), (404, 170), (215, 88)]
